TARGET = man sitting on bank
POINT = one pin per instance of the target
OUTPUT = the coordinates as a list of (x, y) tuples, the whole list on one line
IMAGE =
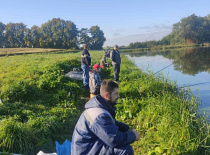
[(97, 131)]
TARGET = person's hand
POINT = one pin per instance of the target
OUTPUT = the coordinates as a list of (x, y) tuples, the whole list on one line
[(83, 56), (136, 134)]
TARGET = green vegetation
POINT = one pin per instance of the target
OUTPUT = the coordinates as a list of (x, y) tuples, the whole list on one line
[(159, 48), (21, 51), (38, 109), (56, 33), (165, 117)]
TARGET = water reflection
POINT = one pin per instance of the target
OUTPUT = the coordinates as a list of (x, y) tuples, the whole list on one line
[(188, 67), (188, 61)]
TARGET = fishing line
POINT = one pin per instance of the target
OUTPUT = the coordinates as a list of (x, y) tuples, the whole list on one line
[(166, 67), (194, 84), (149, 61), (180, 86)]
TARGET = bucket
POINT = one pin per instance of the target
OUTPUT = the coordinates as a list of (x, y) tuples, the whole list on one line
[(92, 95)]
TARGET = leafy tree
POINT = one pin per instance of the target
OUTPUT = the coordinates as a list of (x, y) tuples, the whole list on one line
[(84, 36), (206, 28), (58, 33), (14, 34), (28, 38), (20, 33), (71, 35), (191, 29), (46, 35), (55, 33), (97, 38), (130, 45), (2, 26), (9, 35), (35, 36)]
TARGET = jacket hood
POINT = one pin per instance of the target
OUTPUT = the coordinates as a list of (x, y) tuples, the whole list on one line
[(99, 102), (94, 102)]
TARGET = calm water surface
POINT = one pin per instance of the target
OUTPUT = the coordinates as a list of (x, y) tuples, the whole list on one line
[(189, 68)]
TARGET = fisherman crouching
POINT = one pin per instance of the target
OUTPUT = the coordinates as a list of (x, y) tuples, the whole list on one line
[(97, 131)]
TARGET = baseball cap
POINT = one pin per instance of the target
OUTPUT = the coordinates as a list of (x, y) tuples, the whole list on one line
[(97, 66), (116, 46)]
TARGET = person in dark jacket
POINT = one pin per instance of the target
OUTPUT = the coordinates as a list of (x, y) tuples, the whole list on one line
[(116, 61), (85, 65), (97, 132)]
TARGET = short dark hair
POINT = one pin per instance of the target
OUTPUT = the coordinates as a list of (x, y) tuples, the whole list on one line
[(85, 46), (107, 86)]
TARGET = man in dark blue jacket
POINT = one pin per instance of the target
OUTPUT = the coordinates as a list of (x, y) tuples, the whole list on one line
[(116, 61), (85, 65), (97, 132)]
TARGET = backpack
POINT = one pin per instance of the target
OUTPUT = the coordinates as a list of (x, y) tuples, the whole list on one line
[(92, 82)]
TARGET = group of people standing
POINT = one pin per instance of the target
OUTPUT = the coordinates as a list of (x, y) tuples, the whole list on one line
[(97, 131), (86, 64)]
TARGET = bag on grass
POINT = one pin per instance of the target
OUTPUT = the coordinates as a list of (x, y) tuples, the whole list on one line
[(64, 149), (42, 153)]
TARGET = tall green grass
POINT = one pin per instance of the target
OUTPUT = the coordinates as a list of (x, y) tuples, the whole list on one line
[(165, 116), (38, 110)]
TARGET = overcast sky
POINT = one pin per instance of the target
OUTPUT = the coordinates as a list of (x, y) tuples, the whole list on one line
[(122, 21)]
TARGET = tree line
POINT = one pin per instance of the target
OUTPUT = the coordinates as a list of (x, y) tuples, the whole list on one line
[(55, 33), (190, 30)]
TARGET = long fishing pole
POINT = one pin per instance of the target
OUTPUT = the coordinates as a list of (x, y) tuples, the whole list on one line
[(181, 86), (150, 61), (194, 84), (166, 67)]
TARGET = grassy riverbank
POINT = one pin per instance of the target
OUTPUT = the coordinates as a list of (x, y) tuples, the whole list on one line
[(164, 116), (21, 51), (161, 48), (41, 106)]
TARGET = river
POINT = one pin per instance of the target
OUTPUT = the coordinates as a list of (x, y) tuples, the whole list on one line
[(189, 68)]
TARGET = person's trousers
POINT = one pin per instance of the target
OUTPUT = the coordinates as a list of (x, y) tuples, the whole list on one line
[(125, 150), (86, 70), (116, 72)]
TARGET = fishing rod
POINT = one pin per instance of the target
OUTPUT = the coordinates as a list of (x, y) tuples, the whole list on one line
[(150, 61), (166, 67), (190, 85), (194, 84)]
